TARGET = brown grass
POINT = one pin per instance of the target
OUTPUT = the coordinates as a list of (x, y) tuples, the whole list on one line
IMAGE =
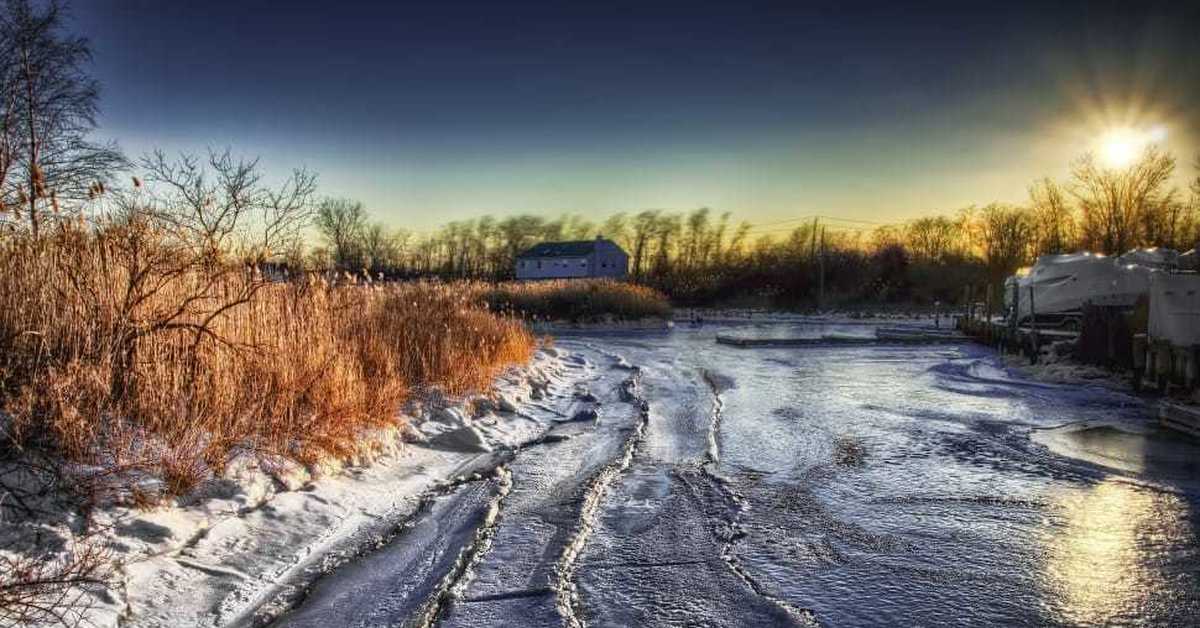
[(576, 300), (115, 356)]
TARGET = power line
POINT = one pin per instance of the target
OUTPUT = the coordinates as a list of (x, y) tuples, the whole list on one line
[(861, 222), (781, 222), (758, 229)]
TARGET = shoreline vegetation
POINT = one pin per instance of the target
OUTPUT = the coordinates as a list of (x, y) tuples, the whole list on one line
[(576, 301), (165, 370)]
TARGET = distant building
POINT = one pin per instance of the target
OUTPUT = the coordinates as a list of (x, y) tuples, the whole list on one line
[(564, 260)]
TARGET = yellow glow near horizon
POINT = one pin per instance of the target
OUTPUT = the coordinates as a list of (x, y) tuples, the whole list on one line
[(1120, 147)]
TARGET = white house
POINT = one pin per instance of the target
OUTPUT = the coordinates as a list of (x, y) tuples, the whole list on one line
[(581, 258)]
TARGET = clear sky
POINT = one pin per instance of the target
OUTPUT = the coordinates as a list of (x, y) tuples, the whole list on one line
[(443, 110)]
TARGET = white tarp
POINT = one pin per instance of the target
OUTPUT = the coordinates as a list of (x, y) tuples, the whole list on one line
[(1158, 258), (1189, 261), (1175, 308), (1064, 283)]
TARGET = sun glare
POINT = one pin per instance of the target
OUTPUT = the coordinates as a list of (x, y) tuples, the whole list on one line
[(1120, 147)]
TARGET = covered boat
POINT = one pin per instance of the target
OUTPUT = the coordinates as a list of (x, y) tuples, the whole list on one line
[(1189, 261), (1175, 309), (1062, 284)]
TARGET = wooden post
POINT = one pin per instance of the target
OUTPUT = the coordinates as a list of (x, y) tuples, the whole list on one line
[(987, 313), (1193, 372), (1014, 335), (1033, 333), (1110, 335)]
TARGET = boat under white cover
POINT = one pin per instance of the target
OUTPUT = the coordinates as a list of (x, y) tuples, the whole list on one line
[(1064, 283), (1175, 308)]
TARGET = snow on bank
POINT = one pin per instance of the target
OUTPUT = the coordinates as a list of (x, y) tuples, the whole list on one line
[(1135, 443), (1058, 368), (1140, 450), (250, 539)]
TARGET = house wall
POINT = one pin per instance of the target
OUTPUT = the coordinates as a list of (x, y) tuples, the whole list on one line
[(554, 267), (609, 260), (606, 260)]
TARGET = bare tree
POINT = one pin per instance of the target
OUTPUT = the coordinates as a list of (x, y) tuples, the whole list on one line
[(881, 237), (1116, 203), (737, 246), (48, 106), (341, 222), (382, 249), (667, 231), (221, 204), (616, 228), (518, 233), (1004, 234), (170, 252), (644, 225), (931, 238), (1054, 225), (1169, 223), (1196, 182)]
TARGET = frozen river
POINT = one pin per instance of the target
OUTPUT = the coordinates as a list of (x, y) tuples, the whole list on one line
[(830, 485)]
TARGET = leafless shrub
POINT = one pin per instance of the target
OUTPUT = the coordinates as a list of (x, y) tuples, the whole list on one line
[(42, 590)]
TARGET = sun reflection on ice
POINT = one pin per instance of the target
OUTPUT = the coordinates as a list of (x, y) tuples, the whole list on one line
[(1113, 552)]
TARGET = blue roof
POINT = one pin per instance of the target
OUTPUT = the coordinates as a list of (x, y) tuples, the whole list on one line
[(577, 248)]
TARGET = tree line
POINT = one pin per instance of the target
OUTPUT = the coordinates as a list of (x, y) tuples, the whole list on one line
[(703, 256)]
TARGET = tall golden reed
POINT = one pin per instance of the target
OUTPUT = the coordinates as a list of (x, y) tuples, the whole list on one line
[(168, 380)]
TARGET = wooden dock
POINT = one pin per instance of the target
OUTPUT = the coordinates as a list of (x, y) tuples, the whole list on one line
[(895, 335), (741, 341), (1001, 334), (920, 335), (1180, 417)]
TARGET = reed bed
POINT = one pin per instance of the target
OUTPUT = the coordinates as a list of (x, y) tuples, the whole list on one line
[(122, 348), (578, 301)]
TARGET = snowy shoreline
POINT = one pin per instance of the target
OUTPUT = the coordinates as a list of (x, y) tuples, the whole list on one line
[(244, 546)]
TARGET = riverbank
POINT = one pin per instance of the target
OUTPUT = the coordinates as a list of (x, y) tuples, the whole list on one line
[(246, 542)]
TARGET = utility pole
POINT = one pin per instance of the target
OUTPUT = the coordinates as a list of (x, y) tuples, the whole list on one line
[(813, 251), (813, 257), (821, 270)]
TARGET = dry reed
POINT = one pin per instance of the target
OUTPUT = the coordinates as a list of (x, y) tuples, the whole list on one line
[(577, 300), (119, 358)]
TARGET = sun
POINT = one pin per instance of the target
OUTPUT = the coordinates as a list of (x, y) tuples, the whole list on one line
[(1120, 147)]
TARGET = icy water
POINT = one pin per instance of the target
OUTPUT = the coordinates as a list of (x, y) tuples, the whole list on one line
[(824, 485)]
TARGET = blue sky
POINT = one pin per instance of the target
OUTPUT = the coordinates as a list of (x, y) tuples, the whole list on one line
[(440, 111)]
